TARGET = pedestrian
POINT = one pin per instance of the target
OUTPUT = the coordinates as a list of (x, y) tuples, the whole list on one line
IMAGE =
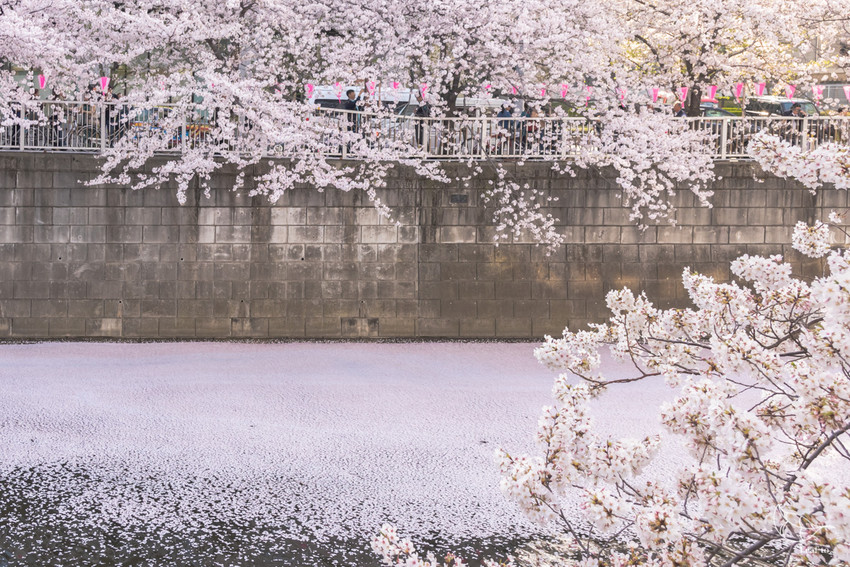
[(678, 111), (507, 127), (423, 110), (843, 130), (796, 111), (530, 128), (353, 103), (794, 129), (507, 111), (110, 115)]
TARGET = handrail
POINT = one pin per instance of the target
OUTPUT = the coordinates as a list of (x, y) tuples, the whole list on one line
[(98, 126)]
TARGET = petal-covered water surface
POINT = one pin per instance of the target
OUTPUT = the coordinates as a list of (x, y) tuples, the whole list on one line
[(264, 454)]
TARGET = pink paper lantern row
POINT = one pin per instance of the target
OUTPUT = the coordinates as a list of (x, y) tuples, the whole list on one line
[(42, 80), (789, 90), (104, 84), (739, 90), (760, 89)]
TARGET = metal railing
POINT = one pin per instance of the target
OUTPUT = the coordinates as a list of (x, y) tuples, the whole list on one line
[(99, 126)]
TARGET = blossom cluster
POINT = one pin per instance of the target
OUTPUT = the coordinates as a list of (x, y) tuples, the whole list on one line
[(812, 167), (248, 68), (765, 481)]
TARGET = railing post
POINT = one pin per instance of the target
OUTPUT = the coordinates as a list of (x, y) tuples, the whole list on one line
[(804, 138), (724, 137), (21, 127), (103, 126), (183, 133), (482, 146)]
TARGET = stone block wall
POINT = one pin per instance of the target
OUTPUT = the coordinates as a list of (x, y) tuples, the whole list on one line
[(80, 261)]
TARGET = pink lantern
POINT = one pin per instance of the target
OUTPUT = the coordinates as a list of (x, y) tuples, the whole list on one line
[(423, 88), (104, 84), (655, 94), (513, 90), (338, 88), (712, 90), (817, 92), (683, 93), (371, 86), (487, 87), (847, 92), (760, 89), (622, 92), (42, 80), (395, 85), (542, 93), (739, 90), (564, 89), (589, 90), (309, 88), (789, 90)]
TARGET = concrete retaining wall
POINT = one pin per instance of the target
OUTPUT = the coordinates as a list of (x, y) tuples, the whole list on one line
[(82, 261)]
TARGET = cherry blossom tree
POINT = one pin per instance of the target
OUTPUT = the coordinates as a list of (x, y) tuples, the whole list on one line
[(696, 44), (761, 398), (237, 75)]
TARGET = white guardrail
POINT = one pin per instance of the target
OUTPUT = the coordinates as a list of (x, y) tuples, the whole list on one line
[(97, 126)]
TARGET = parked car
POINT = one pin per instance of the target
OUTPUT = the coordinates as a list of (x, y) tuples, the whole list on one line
[(778, 106)]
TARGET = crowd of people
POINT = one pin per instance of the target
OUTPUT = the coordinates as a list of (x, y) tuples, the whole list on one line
[(518, 127)]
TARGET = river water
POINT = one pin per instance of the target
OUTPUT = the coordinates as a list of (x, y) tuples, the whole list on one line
[(263, 454)]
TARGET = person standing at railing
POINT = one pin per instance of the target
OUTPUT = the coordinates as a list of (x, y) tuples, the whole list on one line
[(56, 120), (507, 127), (842, 131), (353, 104), (16, 130), (423, 110), (507, 111), (794, 131), (796, 111), (529, 127), (678, 111), (110, 115)]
